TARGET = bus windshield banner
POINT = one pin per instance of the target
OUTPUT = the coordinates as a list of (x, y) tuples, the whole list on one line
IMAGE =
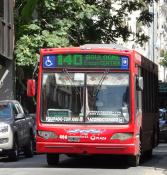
[(86, 61)]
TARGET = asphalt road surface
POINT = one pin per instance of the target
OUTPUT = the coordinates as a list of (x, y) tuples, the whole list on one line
[(96, 165)]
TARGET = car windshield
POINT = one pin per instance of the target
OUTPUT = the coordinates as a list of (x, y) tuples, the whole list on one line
[(85, 97), (5, 110)]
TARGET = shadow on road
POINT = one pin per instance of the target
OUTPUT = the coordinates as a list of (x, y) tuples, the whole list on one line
[(158, 160), (101, 162), (39, 161)]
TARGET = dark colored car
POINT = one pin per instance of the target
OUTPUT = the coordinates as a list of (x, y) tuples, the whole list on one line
[(163, 125)]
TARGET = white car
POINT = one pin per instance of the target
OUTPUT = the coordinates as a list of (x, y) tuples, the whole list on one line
[(16, 130)]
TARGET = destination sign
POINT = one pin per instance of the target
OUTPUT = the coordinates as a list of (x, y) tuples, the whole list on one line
[(86, 61), (58, 112)]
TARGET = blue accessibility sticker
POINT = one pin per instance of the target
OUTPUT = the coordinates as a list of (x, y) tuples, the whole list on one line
[(124, 62), (49, 61)]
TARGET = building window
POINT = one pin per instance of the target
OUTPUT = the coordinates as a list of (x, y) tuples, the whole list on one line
[(2, 8), (2, 30), (9, 9), (10, 43)]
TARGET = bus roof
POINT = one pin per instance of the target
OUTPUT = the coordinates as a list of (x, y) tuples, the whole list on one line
[(104, 46), (91, 47)]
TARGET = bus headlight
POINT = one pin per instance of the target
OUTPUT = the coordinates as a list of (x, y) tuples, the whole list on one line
[(4, 127), (47, 134), (121, 136)]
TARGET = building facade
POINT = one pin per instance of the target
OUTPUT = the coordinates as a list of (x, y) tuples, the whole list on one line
[(162, 38), (156, 47), (6, 49)]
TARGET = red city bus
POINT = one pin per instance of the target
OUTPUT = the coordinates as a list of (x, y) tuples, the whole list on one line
[(96, 99)]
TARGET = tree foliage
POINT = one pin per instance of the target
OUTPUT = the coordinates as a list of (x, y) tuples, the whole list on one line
[(163, 61), (60, 23)]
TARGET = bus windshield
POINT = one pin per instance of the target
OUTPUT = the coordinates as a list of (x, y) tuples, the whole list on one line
[(85, 97)]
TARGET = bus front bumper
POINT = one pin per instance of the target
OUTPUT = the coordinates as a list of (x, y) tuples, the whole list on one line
[(86, 148)]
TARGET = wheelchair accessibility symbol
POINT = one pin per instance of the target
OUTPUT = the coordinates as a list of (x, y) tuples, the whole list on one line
[(49, 62), (124, 62)]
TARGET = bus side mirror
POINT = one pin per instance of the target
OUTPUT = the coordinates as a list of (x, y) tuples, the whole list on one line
[(31, 88), (139, 83)]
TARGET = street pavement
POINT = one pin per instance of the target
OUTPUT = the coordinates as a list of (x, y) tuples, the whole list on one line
[(158, 163), (37, 165)]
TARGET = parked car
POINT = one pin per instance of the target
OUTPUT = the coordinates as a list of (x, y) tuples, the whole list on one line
[(16, 130), (163, 125)]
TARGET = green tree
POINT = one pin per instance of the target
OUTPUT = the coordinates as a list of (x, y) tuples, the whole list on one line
[(163, 62), (60, 23)]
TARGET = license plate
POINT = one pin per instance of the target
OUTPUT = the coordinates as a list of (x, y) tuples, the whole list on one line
[(73, 138)]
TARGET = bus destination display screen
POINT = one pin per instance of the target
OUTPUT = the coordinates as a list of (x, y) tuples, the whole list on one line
[(85, 61)]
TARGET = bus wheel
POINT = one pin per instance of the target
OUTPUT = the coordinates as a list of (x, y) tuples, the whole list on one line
[(149, 153), (134, 160), (52, 159)]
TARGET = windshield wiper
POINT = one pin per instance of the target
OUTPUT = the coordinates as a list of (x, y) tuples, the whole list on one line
[(95, 92), (72, 83)]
